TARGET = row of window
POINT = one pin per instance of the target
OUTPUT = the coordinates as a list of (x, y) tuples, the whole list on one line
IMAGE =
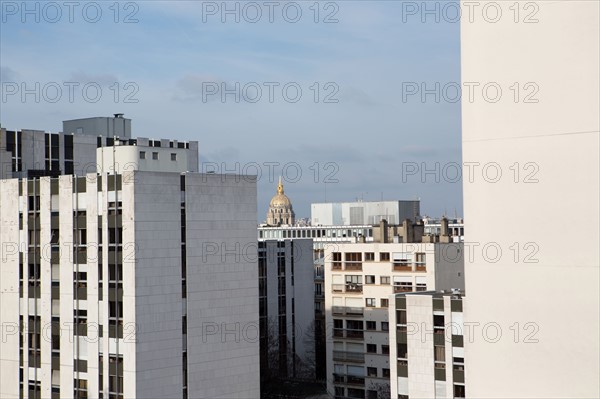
[(155, 155)]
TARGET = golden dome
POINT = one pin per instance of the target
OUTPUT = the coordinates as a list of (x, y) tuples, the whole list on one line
[(280, 200)]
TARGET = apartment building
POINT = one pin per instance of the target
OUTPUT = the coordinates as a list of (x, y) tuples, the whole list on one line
[(360, 278), (287, 318), (427, 345), (129, 285), (546, 147)]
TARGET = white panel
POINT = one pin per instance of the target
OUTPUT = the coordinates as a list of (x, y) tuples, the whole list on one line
[(337, 279), (458, 352), (457, 323), (55, 307), (55, 272), (354, 302), (337, 301), (440, 389), (403, 279), (402, 256), (83, 347), (55, 377), (354, 347), (54, 203), (100, 207), (402, 385), (421, 280), (358, 371), (338, 346)]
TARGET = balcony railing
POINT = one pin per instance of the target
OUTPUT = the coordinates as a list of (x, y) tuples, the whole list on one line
[(353, 357), (348, 333), (348, 379), (402, 288), (347, 310), (402, 267), (353, 265), (352, 287)]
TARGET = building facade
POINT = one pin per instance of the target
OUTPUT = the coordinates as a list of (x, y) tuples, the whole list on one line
[(546, 147), (427, 345), (360, 278), (286, 295), (34, 153), (129, 285), (364, 212)]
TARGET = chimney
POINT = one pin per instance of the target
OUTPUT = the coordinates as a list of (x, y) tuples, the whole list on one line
[(383, 228), (444, 227), (407, 230)]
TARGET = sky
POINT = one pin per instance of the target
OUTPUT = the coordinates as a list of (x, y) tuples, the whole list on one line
[(326, 94)]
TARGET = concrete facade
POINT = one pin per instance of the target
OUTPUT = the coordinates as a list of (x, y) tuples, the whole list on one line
[(116, 126), (426, 345), (125, 286), (547, 148)]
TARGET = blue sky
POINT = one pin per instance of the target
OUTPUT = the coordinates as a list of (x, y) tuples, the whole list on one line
[(177, 49)]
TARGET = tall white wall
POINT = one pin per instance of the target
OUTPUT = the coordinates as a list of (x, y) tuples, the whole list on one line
[(552, 207), (223, 329)]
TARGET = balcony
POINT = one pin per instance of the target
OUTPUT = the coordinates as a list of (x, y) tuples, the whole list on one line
[(354, 288), (353, 265), (348, 379), (347, 310), (352, 357), (336, 266), (402, 267), (402, 288), (348, 334), (420, 267)]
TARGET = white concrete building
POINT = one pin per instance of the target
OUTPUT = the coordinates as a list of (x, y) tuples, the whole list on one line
[(364, 212), (545, 141), (360, 278), (426, 345), (129, 286)]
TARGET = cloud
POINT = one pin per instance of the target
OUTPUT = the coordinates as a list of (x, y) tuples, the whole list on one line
[(7, 74), (103, 80)]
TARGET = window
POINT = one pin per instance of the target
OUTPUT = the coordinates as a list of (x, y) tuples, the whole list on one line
[(369, 279), (369, 256), (385, 326), (386, 373), (402, 351), (385, 350), (372, 371), (371, 325), (142, 154), (155, 155), (173, 157), (384, 256), (385, 280), (371, 348), (371, 302), (384, 302)]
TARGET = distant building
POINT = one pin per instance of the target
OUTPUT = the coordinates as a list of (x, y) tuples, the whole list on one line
[(35, 153), (427, 357), (280, 209), (361, 213), (287, 317)]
